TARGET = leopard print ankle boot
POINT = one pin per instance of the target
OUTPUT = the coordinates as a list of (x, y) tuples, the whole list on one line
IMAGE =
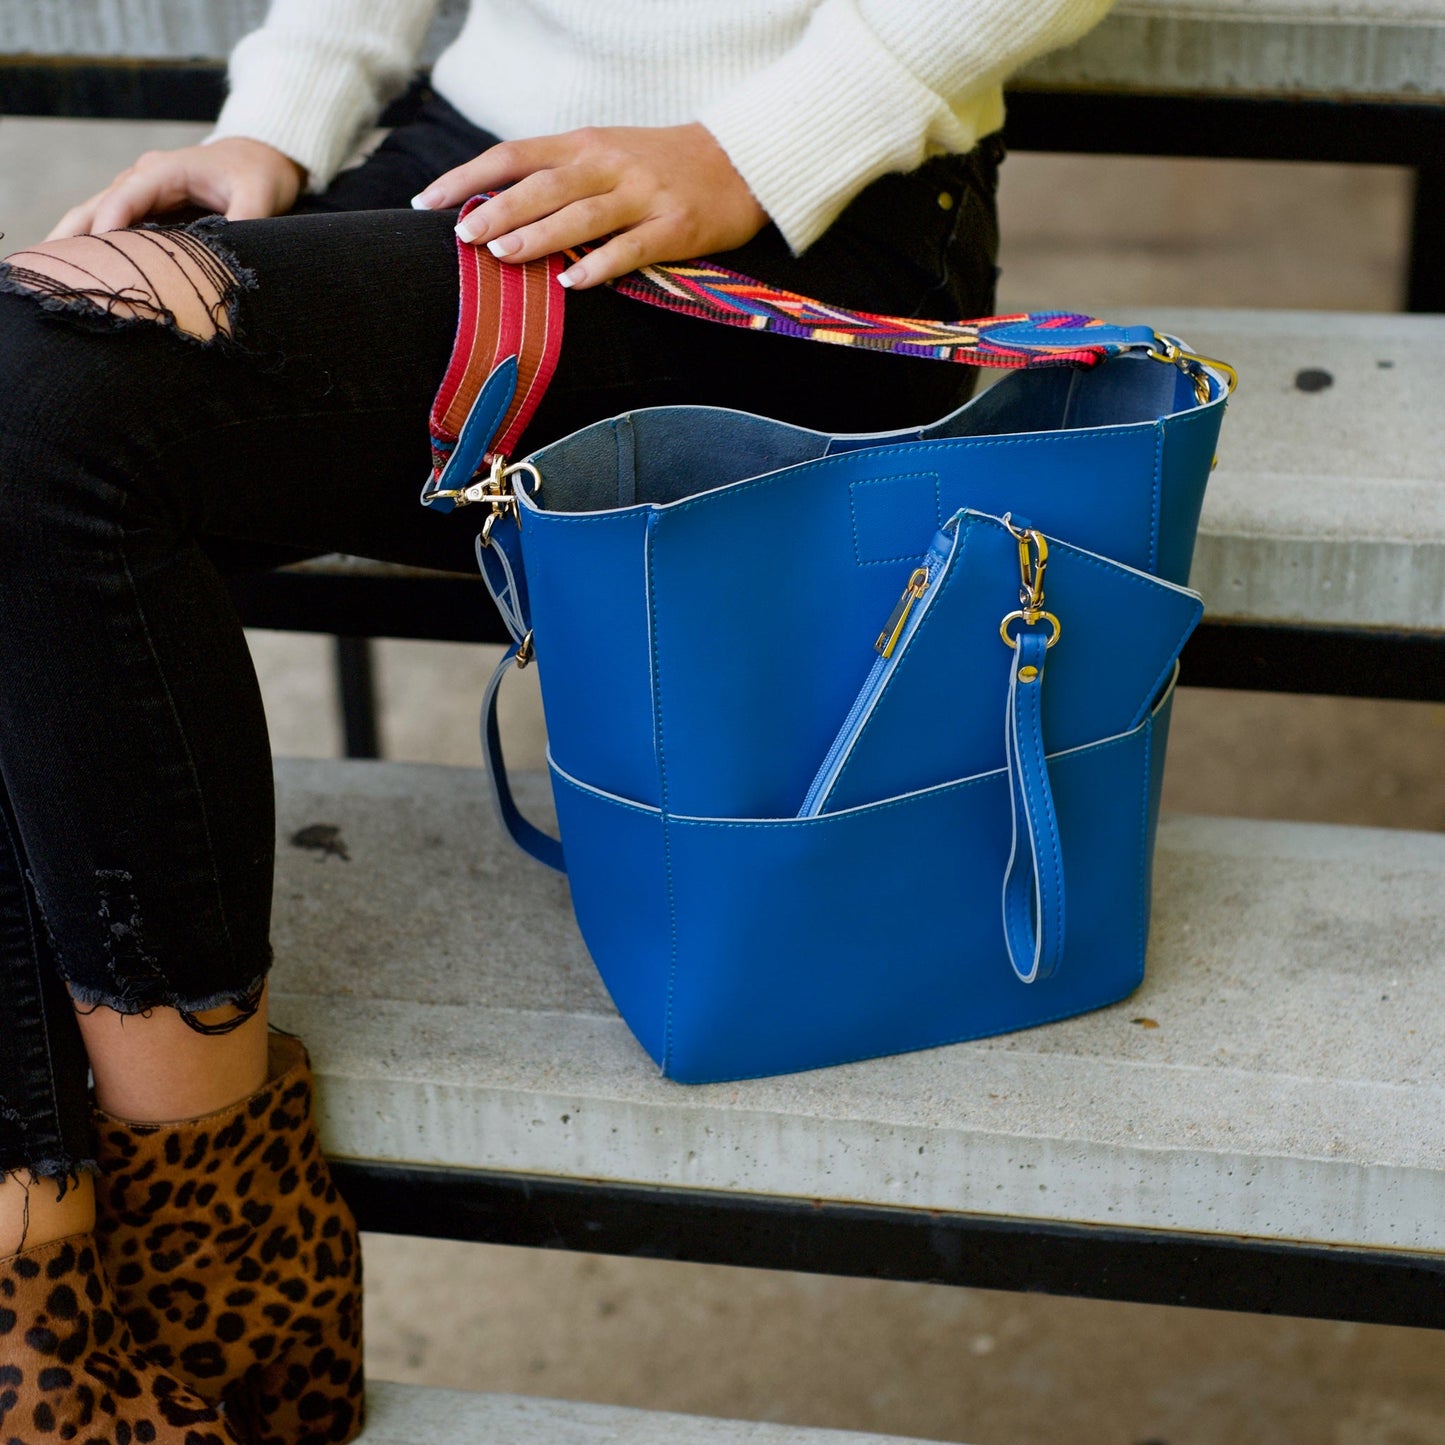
[(235, 1261), (69, 1369)]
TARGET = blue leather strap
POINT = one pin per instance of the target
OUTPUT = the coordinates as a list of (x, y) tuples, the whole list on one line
[(500, 559), (476, 436), (527, 836), (1033, 887)]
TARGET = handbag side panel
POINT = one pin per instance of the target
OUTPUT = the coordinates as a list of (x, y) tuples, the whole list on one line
[(587, 578)]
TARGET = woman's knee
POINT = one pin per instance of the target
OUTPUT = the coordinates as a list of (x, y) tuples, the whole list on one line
[(81, 416), (172, 277)]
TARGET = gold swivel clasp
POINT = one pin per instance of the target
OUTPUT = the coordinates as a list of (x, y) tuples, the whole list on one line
[(1033, 559), (496, 490)]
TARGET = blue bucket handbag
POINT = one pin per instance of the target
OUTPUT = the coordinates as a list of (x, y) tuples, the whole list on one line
[(856, 742)]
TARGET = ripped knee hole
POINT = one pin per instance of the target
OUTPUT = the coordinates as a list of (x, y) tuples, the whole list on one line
[(168, 276)]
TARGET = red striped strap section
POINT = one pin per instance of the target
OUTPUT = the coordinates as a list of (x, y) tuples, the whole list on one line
[(503, 311)]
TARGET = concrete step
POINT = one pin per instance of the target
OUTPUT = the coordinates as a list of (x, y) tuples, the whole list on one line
[(411, 1414), (1280, 1074), (1328, 506)]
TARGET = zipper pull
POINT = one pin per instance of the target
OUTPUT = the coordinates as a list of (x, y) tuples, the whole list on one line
[(893, 628)]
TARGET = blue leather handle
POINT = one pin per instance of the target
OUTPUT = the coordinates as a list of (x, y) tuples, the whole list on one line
[(499, 555), (1033, 887), (527, 836)]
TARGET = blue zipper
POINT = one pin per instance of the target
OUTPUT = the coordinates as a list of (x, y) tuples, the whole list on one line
[(874, 683)]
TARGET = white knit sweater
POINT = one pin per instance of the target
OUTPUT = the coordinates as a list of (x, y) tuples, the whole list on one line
[(811, 99)]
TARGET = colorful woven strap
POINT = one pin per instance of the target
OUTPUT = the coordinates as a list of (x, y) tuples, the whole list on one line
[(511, 310), (1041, 338)]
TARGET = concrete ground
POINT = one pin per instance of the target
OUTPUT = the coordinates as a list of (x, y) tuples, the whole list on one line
[(961, 1365)]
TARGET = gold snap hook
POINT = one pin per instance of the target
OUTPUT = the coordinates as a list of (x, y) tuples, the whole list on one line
[(1029, 620)]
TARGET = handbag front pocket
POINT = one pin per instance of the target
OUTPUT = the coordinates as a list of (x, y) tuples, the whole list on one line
[(744, 947)]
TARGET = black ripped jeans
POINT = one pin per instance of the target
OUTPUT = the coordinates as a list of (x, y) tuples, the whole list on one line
[(137, 469)]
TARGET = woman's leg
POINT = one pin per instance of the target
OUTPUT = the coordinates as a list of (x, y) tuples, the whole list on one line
[(132, 743)]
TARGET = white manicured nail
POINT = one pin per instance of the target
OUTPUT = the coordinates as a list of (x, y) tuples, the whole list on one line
[(504, 246), (571, 276)]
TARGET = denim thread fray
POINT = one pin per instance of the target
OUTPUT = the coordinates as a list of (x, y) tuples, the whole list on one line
[(93, 307)]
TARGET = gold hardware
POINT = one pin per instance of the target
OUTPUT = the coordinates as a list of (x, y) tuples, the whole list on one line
[(1028, 674), (526, 652), (496, 491), (1172, 354), (1033, 558), (1029, 622), (893, 628)]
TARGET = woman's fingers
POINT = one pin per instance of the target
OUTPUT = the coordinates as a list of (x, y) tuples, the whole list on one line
[(137, 196), (628, 251), (508, 217), (501, 165), (243, 178), (660, 193), (76, 221), (586, 220)]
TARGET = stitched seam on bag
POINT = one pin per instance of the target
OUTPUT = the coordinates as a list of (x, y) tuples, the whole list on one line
[(847, 815), (1141, 927), (1036, 741), (1070, 1013), (870, 810), (1158, 493), (627, 517), (662, 794), (1045, 439), (1164, 672), (877, 481)]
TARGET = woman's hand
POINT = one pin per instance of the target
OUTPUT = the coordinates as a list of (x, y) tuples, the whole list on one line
[(662, 193), (245, 180)]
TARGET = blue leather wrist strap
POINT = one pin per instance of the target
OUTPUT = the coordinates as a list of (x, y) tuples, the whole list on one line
[(1033, 888)]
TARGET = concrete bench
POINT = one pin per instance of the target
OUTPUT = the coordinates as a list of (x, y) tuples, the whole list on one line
[(1279, 1078), (402, 1415)]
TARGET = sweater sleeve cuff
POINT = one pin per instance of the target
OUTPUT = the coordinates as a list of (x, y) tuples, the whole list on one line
[(327, 104), (835, 112)]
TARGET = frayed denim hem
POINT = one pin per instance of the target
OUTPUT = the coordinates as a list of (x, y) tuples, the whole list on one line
[(247, 1000), (64, 1172)]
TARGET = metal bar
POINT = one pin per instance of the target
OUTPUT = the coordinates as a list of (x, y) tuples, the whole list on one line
[(1340, 662), (1425, 284), (356, 688), (820, 1237), (1329, 661), (1285, 128), (443, 609), (105, 88), (96, 89), (1384, 132)]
